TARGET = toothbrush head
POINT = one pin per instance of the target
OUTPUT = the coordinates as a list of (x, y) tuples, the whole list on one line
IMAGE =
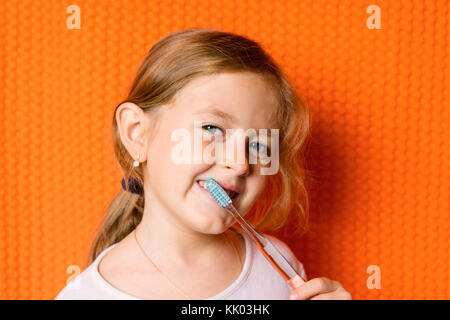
[(216, 191)]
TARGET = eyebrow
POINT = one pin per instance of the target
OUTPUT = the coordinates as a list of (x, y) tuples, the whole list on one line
[(216, 111)]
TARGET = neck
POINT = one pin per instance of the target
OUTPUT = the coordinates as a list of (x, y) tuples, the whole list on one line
[(162, 234)]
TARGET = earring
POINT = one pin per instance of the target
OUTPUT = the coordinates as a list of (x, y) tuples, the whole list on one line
[(136, 162)]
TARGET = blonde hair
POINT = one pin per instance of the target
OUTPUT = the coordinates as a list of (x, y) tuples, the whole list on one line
[(169, 66)]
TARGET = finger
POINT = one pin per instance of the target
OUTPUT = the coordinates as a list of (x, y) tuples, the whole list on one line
[(296, 281), (335, 295), (314, 287)]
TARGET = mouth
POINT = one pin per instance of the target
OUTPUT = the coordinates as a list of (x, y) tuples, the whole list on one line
[(232, 194)]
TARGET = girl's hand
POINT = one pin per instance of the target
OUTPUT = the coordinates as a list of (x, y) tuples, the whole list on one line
[(318, 289)]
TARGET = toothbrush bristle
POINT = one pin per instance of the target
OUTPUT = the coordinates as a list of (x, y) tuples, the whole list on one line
[(216, 191)]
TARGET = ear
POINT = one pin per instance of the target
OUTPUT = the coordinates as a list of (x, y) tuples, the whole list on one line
[(132, 124)]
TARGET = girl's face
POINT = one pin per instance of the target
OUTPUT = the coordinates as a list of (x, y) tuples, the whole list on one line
[(240, 100)]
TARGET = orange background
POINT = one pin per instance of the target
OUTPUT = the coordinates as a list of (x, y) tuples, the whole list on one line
[(379, 101)]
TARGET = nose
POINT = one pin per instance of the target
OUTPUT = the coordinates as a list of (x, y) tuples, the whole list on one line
[(235, 156), (240, 169)]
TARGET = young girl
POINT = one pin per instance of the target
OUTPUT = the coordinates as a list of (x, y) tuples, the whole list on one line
[(163, 236)]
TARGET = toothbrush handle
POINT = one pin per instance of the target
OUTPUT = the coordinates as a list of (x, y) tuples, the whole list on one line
[(260, 240), (270, 252)]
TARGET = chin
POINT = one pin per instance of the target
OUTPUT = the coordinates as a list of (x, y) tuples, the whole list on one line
[(212, 222)]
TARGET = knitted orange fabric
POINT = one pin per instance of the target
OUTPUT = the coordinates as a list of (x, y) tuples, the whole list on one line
[(379, 100)]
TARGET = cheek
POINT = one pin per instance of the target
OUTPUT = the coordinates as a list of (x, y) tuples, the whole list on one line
[(172, 180), (257, 183), (255, 186), (163, 175)]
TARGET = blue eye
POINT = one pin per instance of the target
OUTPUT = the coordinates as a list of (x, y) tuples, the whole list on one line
[(213, 129), (260, 147)]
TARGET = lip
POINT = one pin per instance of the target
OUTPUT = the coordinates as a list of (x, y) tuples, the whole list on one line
[(223, 186)]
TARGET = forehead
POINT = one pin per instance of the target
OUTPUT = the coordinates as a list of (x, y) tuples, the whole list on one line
[(243, 99)]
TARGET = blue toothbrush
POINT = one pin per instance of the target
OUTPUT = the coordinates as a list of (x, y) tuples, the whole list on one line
[(269, 251)]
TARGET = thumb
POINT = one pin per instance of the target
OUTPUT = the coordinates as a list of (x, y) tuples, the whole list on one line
[(296, 281)]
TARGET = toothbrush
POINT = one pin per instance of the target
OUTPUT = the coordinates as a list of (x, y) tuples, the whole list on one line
[(269, 251)]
